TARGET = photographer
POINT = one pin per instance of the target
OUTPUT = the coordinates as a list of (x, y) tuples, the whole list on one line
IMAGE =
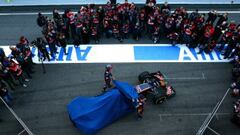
[(42, 49)]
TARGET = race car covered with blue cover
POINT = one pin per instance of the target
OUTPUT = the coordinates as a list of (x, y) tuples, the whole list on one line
[(90, 114)]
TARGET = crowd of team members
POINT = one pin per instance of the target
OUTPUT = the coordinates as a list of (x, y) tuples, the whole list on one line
[(121, 21), (235, 90), (16, 68)]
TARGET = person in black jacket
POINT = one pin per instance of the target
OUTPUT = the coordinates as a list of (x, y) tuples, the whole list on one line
[(222, 18), (41, 20), (113, 2), (212, 16), (231, 45), (42, 49), (236, 114), (85, 35), (2, 54), (137, 31), (62, 42), (4, 93), (108, 77), (165, 8)]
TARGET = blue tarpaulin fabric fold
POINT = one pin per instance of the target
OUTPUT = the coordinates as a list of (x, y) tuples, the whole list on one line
[(126, 89), (90, 114)]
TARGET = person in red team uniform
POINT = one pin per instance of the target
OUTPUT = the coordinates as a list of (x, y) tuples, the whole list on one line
[(174, 38), (94, 34), (208, 33)]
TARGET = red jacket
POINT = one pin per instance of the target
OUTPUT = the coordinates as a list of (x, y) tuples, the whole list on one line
[(15, 68), (232, 26), (209, 31)]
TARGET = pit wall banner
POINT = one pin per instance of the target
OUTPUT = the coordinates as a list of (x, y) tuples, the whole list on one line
[(128, 53)]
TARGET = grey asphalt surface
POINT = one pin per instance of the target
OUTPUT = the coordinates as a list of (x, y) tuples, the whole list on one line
[(14, 26), (42, 106)]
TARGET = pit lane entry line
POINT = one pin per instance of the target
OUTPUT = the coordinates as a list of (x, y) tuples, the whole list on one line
[(186, 78), (50, 13)]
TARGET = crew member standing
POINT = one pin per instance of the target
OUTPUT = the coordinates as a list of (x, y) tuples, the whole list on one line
[(108, 77), (62, 42), (42, 49), (140, 107)]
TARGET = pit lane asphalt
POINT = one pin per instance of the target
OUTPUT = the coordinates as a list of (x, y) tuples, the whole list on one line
[(14, 26), (42, 106)]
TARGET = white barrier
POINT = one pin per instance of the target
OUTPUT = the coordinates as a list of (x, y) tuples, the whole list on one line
[(128, 53)]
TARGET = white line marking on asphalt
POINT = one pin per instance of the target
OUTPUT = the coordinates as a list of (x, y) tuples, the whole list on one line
[(186, 78), (203, 75), (191, 114), (43, 103), (50, 13), (164, 76), (213, 131)]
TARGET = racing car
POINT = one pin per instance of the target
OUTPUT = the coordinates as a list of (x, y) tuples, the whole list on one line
[(155, 86), (91, 114)]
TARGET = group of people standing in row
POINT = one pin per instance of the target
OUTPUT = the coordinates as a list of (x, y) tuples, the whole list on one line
[(16, 68), (235, 90), (122, 21)]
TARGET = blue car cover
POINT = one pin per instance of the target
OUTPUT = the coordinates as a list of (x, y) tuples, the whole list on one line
[(90, 114), (128, 91)]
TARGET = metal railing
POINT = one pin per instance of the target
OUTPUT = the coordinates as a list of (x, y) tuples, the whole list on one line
[(209, 118), (25, 128)]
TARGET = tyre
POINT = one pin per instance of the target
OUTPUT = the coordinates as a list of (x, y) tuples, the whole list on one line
[(159, 99), (144, 75)]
